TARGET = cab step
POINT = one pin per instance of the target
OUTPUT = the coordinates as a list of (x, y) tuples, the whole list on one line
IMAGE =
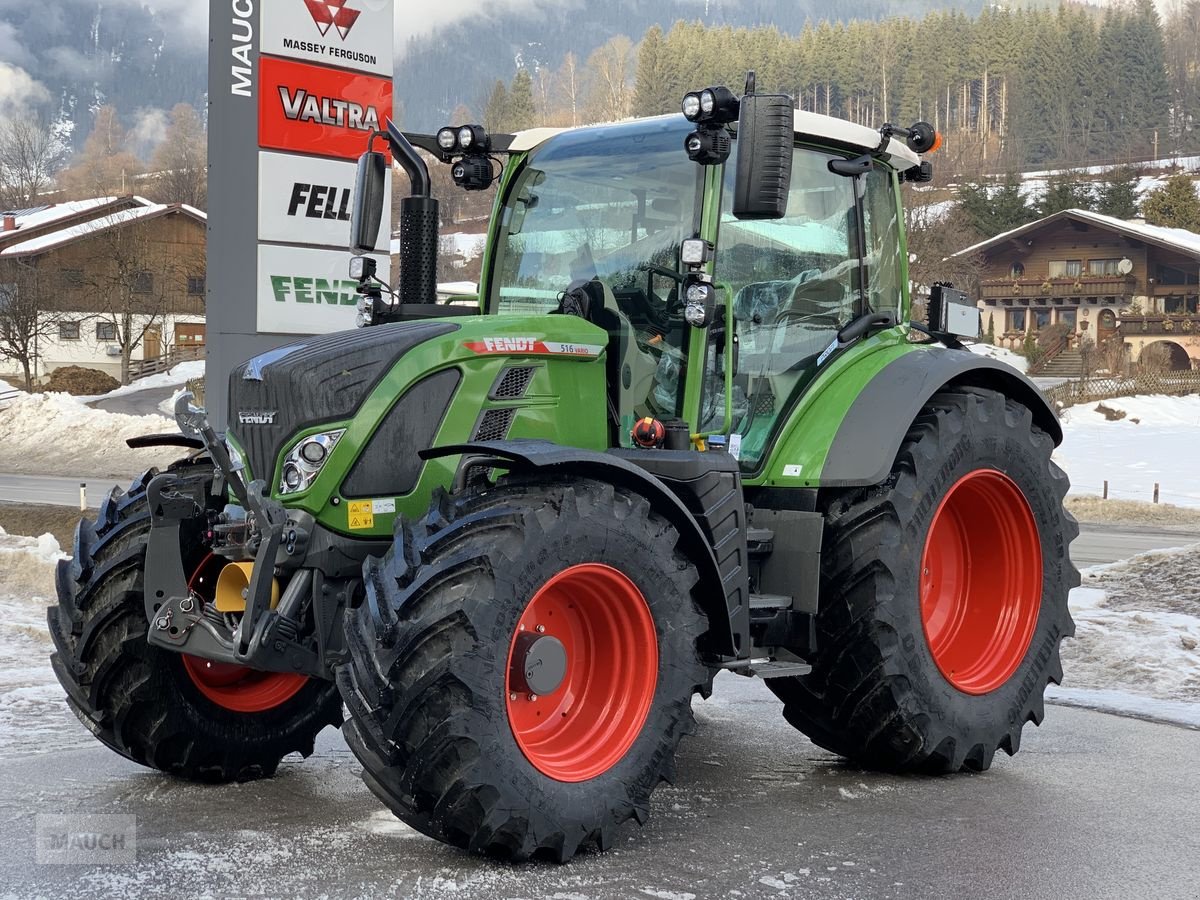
[(772, 668)]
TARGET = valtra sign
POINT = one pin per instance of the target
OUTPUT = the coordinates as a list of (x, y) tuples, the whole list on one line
[(350, 34), (319, 110)]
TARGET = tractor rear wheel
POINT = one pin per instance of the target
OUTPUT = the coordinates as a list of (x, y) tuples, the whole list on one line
[(184, 715), (943, 595), (522, 668)]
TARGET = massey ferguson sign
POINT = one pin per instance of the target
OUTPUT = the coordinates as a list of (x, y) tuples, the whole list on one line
[(350, 34), (318, 110)]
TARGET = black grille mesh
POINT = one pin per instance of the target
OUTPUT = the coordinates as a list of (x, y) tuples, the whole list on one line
[(513, 383), (494, 424)]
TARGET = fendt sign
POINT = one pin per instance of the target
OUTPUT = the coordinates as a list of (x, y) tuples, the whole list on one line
[(295, 87)]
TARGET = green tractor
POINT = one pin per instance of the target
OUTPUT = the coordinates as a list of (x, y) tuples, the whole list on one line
[(688, 428)]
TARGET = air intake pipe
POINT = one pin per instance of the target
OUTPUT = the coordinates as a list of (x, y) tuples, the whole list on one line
[(418, 225)]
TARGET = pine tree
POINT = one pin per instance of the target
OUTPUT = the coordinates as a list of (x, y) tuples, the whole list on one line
[(1174, 205), (650, 83), (1065, 191), (990, 336), (495, 111), (993, 208), (1117, 194), (520, 111)]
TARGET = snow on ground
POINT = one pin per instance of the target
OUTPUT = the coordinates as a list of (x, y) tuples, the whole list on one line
[(1016, 360), (33, 714), (1136, 648), (55, 434), (1155, 442), (178, 375)]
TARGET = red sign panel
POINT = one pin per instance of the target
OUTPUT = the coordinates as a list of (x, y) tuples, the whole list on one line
[(313, 109)]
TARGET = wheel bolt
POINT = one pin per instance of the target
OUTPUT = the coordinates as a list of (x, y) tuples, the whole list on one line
[(541, 629), (512, 697), (533, 696)]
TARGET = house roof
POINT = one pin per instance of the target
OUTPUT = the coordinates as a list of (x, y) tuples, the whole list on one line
[(40, 217), (1178, 239), (54, 239)]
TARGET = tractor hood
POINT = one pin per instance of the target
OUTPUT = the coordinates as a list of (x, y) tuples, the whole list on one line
[(315, 380)]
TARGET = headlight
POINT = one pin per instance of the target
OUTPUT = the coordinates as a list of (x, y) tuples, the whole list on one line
[(235, 456), (366, 312), (691, 106), (305, 460), (447, 139), (707, 102)]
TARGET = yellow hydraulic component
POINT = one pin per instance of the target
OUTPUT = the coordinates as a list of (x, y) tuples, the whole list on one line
[(234, 582)]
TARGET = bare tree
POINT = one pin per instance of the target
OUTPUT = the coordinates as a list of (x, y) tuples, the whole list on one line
[(181, 161), (569, 89), (105, 166), (27, 316), (30, 154), (610, 82), (935, 233), (132, 279)]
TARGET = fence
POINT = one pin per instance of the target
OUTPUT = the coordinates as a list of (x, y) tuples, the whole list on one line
[(143, 367), (1088, 390)]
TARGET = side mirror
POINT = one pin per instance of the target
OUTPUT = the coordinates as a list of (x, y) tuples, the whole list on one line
[(764, 156), (370, 184)]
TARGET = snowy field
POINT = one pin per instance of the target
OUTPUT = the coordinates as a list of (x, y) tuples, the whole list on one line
[(1155, 443), (1016, 360)]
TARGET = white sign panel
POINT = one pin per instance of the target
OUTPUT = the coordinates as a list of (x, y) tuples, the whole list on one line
[(306, 200), (349, 34), (307, 291)]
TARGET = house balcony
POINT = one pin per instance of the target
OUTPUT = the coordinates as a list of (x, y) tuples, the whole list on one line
[(1161, 325), (1045, 289)]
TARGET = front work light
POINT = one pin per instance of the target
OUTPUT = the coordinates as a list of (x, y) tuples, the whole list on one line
[(362, 267), (691, 106), (700, 302), (447, 139)]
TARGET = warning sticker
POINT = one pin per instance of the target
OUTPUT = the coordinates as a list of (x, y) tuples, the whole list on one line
[(360, 515), (387, 505)]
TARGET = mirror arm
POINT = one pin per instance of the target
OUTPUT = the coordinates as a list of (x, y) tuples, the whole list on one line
[(410, 161)]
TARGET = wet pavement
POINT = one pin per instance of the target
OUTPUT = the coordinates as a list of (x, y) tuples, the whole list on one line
[(1094, 806)]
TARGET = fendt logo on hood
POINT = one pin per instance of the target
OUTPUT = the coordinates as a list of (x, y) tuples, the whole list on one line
[(257, 418), (331, 12)]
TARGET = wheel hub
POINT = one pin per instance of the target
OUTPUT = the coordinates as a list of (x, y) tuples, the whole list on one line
[(539, 664)]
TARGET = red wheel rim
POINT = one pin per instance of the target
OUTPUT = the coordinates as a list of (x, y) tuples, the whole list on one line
[(236, 688), (981, 581), (585, 726)]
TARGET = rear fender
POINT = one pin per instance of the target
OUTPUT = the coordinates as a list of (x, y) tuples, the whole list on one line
[(872, 427)]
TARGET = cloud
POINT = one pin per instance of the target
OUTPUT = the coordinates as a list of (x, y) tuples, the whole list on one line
[(149, 129), (19, 91)]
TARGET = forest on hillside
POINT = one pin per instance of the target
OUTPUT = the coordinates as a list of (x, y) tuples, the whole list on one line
[(1011, 87)]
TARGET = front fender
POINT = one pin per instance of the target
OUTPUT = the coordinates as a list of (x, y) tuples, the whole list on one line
[(726, 606)]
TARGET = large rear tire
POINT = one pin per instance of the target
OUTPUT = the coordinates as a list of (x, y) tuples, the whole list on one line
[(200, 721), (943, 595), (463, 618)]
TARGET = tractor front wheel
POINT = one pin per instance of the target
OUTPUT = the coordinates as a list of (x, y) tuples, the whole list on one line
[(943, 595), (200, 720), (522, 668)]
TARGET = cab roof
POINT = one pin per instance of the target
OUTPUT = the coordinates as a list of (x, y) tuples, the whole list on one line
[(808, 125)]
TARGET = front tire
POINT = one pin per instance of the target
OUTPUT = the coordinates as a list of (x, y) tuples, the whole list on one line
[(943, 595), (154, 706), (444, 650)]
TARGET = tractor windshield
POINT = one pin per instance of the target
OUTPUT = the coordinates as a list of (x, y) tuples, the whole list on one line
[(609, 205)]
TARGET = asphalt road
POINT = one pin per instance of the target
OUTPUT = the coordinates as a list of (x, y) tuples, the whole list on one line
[(1094, 806)]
